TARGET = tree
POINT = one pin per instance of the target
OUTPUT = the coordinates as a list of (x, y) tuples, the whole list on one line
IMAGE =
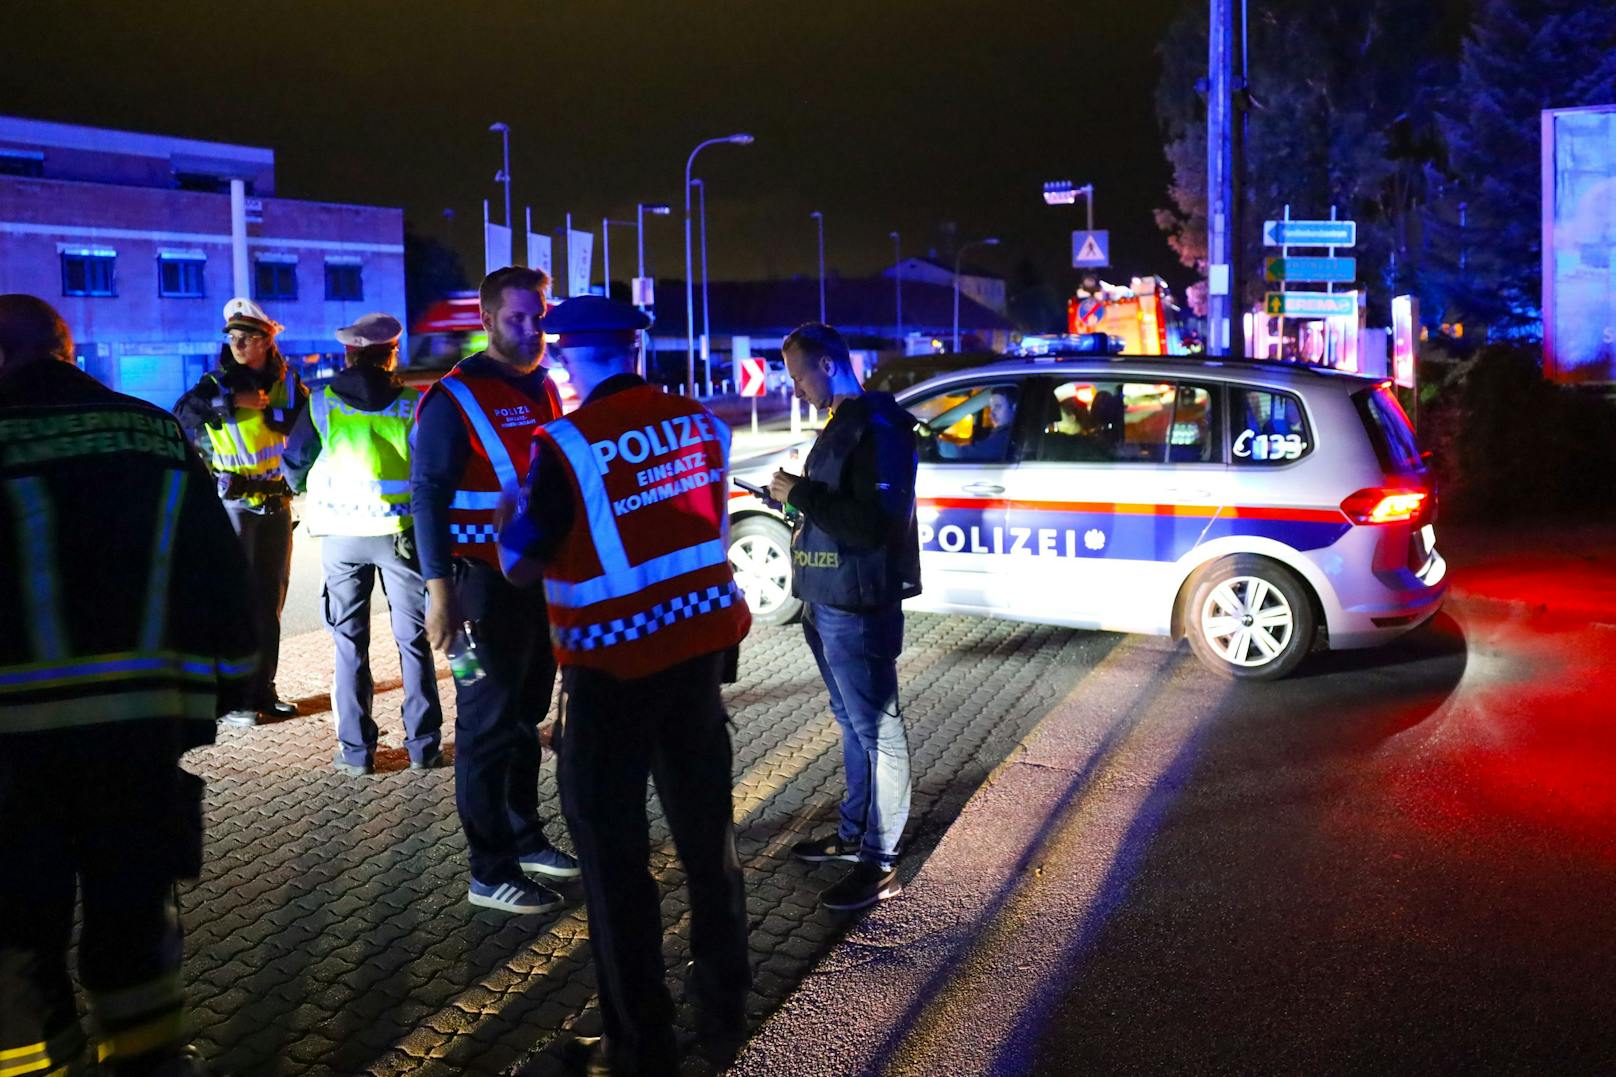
[(432, 270), (1520, 57), (1339, 116)]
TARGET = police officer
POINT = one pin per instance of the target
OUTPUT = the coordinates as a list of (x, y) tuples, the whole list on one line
[(473, 435), (124, 634), (627, 514), (239, 416), (350, 450), (855, 557)]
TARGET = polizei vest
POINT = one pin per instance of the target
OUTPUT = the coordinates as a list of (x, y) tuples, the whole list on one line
[(829, 572)]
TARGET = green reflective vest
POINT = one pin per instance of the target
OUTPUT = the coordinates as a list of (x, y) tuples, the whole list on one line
[(245, 444), (360, 482)]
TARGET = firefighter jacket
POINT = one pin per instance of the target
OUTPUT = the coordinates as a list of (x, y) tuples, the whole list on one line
[(500, 419), (641, 581), (123, 585), (360, 482), (856, 545)]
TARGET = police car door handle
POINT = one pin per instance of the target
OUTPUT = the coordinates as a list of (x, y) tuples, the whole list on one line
[(983, 489)]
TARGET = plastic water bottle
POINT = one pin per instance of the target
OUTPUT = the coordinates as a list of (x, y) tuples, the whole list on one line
[(464, 664)]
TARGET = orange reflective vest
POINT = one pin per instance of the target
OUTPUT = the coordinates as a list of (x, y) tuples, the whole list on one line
[(500, 420), (642, 581)]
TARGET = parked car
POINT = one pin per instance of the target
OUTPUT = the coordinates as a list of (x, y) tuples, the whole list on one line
[(1257, 509)]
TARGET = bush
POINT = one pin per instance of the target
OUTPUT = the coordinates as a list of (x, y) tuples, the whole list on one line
[(1505, 442)]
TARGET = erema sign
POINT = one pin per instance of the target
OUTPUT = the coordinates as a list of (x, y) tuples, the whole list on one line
[(1312, 304)]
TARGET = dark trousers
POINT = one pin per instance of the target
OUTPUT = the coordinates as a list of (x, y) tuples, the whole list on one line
[(351, 564), (616, 733), (107, 812), (266, 539), (497, 722)]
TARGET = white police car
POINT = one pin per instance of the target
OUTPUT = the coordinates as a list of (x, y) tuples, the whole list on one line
[(1258, 509)]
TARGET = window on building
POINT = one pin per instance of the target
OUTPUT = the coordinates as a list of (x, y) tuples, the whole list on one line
[(89, 272), (274, 279), (180, 275), (344, 280), (29, 163)]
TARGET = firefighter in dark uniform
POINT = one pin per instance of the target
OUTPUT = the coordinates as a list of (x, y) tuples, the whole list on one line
[(239, 416), (473, 437), (125, 634), (855, 556), (626, 518)]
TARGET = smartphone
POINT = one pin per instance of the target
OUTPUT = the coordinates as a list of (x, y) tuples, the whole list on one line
[(758, 492)]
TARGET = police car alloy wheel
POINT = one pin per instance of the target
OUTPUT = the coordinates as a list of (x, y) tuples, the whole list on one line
[(760, 556), (1250, 618)]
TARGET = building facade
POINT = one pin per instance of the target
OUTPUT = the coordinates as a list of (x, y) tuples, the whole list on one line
[(139, 240)]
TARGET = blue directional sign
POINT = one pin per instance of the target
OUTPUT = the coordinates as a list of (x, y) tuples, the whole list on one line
[(1310, 233), (1091, 249)]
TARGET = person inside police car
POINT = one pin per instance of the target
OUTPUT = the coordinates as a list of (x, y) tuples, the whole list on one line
[(855, 555), (626, 519)]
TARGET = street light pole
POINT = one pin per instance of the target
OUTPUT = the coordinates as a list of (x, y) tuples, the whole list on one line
[(690, 290), (897, 280), (706, 316), (505, 173), (819, 220), (606, 224), (991, 241)]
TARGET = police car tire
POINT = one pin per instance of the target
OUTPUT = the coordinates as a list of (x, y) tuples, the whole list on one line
[(1287, 594), (777, 534)]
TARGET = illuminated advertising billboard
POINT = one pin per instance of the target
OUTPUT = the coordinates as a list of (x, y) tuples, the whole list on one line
[(1579, 242)]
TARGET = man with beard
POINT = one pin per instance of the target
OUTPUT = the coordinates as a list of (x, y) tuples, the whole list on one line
[(471, 457)]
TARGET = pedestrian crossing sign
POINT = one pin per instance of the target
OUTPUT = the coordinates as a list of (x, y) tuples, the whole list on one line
[(1091, 249)]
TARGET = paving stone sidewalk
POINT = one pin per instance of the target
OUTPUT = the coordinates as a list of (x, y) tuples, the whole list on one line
[(330, 932)]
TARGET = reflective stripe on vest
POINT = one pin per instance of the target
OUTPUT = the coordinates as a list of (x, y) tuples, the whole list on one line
[(661, 615), (483, 427), (245, 444), (618, 578)]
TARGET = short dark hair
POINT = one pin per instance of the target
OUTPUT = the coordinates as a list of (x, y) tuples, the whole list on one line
[(815, 339), (372, 355), (491, 293), (31, 329)]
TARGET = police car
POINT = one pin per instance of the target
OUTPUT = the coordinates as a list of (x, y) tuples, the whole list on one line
[(1257, 509)]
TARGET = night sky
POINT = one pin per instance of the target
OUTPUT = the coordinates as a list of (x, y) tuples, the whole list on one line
[(885, 114)]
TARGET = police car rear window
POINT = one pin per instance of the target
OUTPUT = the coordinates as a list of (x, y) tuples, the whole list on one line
[(1266, 428), (1389, 429)]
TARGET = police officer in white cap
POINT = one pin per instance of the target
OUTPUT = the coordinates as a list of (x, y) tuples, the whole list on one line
[(238, 415), (350, 454)]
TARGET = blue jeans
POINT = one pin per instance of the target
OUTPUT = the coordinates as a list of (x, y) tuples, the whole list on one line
[(857, 652)]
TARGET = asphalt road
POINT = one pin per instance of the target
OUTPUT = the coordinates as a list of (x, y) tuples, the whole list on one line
[(1398, 861)]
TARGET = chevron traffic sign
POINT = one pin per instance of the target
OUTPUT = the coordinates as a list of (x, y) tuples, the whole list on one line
[(752, 375)]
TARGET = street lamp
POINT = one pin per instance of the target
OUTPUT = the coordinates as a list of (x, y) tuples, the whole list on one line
[(656, 209), (606, 224), (819, 220), (690, 289), (1063, 193), (504, 174), (706, 318), (897, 280), (991, 241)]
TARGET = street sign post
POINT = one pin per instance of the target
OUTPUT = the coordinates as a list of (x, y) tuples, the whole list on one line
[(1091, 249), (1310, 233), (1312, 304), (643, 291), (1312, 270)]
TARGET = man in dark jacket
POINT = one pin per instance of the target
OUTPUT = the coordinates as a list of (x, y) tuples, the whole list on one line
[(124, 632), (855, 557), (350, 451), (238, 416)]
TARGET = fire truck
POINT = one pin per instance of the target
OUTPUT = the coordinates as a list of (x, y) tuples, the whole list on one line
[(1142, 314)]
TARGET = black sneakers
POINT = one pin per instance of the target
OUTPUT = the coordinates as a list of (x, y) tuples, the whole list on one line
[(830, 847), (863, 885)]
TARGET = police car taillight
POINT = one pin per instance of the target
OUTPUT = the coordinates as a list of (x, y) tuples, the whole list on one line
[(1385, 505)]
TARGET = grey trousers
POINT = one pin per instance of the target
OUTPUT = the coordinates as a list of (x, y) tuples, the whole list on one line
[(351, 564)]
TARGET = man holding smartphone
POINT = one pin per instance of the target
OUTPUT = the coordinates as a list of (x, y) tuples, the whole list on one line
[(855, 554)]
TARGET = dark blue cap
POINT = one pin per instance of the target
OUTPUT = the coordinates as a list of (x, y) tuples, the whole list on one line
[(593, 320)]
